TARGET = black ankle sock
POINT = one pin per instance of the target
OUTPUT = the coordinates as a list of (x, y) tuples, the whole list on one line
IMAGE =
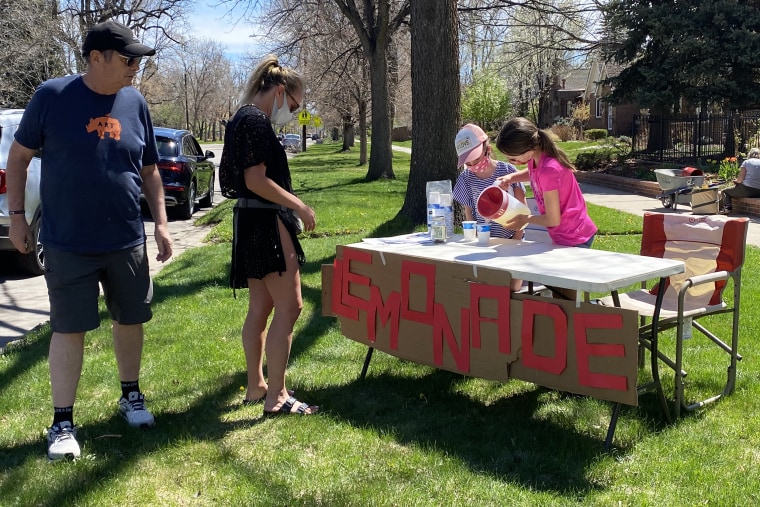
[(128, 387), (61, 414)]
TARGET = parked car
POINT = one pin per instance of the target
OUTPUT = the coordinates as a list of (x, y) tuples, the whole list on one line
[(33, 262), (315, 136), (292, 142), (186, 171)]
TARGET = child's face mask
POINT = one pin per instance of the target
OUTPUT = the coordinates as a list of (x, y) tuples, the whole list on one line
[(481, 166)]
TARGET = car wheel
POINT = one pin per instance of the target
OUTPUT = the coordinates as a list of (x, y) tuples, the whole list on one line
[(208, 200), (34, 262), (185, 210)]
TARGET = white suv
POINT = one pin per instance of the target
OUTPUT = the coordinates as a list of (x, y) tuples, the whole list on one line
[(33, 262)]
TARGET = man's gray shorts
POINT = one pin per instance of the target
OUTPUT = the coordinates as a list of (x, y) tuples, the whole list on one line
[(73, 281)]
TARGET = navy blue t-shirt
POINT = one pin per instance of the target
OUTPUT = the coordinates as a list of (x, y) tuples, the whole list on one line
[(93, 148)]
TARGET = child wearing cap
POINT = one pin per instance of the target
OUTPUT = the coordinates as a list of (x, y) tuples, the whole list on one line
[(480, 172)]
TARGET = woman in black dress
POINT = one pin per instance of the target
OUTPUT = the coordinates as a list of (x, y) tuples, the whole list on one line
[(266, 254)]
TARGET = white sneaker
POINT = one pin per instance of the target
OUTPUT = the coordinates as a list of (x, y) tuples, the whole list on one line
[(62, 442), (134, 411)]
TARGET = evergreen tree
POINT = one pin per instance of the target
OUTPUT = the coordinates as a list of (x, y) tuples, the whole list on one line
[(703, 51)]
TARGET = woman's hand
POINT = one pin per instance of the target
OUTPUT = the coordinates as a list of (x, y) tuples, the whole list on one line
[(307, 216)]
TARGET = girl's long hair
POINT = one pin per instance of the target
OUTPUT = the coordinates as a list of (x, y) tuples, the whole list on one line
[(519, 135), (267, 74)]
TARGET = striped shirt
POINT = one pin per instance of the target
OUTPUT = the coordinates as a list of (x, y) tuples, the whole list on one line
[(468, 187)]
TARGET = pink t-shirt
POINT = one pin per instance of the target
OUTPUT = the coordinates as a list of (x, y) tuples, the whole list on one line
[(575, 226)]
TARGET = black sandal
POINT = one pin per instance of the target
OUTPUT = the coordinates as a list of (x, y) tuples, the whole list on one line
[(257, 401), (287, 408)]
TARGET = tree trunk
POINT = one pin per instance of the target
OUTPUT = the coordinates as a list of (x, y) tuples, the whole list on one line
[(381, 154), (362, 132), (435, 101), (348, 132), (659, 131)]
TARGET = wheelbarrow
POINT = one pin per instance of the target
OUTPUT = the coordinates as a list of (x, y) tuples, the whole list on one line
[(677, 184)]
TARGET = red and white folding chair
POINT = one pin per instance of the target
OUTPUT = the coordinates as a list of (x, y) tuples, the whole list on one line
[(712, 249)]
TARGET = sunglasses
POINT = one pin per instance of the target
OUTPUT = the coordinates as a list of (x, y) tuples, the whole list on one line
[(292, 108), (129, 60)]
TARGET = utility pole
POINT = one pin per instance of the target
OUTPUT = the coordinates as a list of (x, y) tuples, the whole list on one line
[(187, 109)]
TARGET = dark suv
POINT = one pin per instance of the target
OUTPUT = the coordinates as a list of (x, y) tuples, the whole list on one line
[(186, 171), (33, 262)]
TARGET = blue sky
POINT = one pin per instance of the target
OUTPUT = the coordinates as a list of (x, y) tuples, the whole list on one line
[(214, 23)]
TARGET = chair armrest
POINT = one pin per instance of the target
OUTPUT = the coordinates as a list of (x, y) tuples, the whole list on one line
[(708, 278), (699, 280)]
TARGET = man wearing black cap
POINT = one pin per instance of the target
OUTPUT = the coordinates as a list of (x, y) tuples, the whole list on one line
[(98, 154)]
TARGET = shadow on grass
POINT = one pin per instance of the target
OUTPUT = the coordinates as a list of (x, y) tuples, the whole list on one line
[(506, 440), (116, 447), (511, 439)]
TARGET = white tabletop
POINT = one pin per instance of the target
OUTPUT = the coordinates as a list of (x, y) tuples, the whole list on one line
[(581, 269)]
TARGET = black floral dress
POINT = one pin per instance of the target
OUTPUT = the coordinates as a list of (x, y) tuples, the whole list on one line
[(256, 246)]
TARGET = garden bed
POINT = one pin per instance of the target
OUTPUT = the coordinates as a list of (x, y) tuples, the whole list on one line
[(638, 178)]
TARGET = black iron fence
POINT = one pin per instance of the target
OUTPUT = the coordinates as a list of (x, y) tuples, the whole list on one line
[(693, 139)]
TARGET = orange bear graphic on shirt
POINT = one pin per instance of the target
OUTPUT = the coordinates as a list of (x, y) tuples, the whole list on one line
[(103, 124)]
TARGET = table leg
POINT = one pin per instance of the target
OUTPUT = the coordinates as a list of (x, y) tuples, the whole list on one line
[(366, 362), (654, 351)]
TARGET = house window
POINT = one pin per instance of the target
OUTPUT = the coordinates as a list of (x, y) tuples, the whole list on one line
[(609, 118), (599, 108)]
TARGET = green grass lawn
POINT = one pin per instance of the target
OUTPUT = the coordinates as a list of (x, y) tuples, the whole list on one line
[(407, 435)]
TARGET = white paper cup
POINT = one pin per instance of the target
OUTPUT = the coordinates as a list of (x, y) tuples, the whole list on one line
[(470, 234), (484, 233)]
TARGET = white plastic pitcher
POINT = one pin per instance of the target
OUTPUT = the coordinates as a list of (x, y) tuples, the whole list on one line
[(500, 206)]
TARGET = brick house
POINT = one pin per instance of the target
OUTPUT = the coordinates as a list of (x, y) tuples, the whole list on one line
[(584, 85)]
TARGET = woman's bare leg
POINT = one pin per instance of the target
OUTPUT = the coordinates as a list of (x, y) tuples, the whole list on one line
[(260, 305), (285, 291)]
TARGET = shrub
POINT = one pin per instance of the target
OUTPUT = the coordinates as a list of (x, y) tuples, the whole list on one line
[(619, 147), (590, 160), (564, 132), (729, 169), (554, 137), (595, 134)]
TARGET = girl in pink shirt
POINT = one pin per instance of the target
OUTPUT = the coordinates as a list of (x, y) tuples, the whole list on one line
[(550, 173)]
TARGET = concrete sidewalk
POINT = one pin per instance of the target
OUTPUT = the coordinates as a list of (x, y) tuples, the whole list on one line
[(24, 303), (637, 205)]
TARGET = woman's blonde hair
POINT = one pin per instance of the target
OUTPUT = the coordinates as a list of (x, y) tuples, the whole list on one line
[(269, 73), (754, 153), (520, 135)]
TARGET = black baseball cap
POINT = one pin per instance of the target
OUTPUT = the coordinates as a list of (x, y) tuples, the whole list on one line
[(113, 35)]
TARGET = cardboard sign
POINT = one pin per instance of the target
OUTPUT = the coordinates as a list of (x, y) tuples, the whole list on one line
[(463, 318)]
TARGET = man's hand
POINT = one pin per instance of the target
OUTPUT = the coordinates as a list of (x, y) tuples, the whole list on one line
[(21, 234), (164, 243)]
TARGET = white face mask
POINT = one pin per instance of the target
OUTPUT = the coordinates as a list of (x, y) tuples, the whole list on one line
[(282, 115)]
